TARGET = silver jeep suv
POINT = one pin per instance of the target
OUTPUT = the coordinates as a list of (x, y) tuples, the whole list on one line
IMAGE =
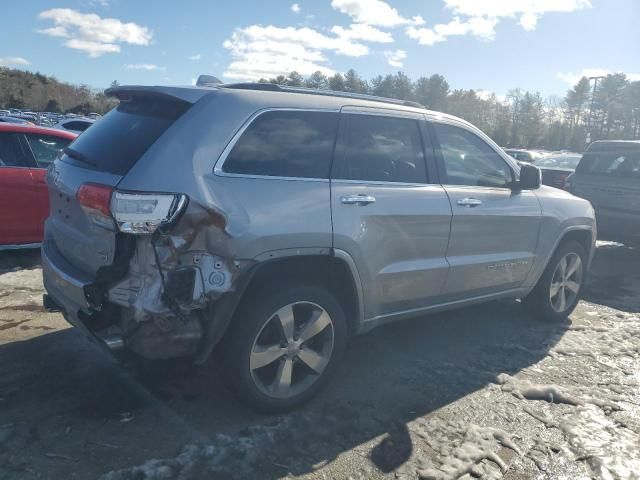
[(272, 223)]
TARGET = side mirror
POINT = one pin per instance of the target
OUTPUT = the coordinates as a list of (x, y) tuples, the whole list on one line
[(530, 177)]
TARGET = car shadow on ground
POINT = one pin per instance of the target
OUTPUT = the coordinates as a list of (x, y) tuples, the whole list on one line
[(18, 259), (94, 416), (614, 280)]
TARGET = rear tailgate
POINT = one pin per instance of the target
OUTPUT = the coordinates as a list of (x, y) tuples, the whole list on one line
[(610, 179), (103, 155), (68, 229)]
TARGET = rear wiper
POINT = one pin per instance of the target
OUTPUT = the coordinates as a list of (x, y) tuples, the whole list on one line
[(78, 156)]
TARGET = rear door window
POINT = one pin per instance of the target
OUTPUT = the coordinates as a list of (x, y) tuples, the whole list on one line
[(285, 143), (122, 136), (380, 149), (46, 148), (12, 153), (611, 164)]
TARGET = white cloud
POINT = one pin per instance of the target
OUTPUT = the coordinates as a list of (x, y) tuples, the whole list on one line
[(142, 66), (480, 27), (480, 17), (528, 10), (395, 57), (259, 51), (374, 12), (360, 31), (197, 56), (295, 8), (13, 61), (92, 34), (572, 78)]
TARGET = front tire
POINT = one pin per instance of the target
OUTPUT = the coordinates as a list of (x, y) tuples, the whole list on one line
[(558, 291), (283, 346)]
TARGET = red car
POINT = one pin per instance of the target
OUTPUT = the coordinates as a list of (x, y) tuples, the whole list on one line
[(25, 154)]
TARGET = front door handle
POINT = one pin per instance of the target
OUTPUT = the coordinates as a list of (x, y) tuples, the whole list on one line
[(469, 202), (359, 199)]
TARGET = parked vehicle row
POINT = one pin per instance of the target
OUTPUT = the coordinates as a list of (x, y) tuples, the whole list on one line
[(49, 119), (522, 155)]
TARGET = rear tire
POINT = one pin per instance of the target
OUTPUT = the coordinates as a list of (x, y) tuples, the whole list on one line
[(558, 291), (283, 346)]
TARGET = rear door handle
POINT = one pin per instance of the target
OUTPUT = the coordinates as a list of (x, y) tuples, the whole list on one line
[(359, 199), (469, 202)]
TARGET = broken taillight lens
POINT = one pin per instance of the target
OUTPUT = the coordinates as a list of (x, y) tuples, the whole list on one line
[(132, 212), (144, 213)]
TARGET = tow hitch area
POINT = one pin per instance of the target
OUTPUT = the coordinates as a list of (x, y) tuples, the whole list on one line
[(50, 305)]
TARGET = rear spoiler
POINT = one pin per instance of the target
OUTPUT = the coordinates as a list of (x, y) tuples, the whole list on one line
[(185, 94)]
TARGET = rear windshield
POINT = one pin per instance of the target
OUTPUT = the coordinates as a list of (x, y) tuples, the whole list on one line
[(117, 141), (611, 163)]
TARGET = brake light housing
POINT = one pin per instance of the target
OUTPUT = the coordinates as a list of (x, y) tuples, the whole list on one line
[(136, 213), (567, 184), (143, 213)]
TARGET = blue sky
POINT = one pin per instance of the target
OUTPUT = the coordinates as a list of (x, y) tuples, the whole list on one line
[(492, 45)]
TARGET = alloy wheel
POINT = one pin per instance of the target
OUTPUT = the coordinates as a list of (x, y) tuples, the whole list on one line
[(565, 282), (292, 349)]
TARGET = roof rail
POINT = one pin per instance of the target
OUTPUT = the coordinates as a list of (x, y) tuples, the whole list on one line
[(272, 87)]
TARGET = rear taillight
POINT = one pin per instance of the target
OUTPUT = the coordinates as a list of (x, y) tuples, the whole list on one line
[(567, 183), (144, 213), (132, 212), (94, 200)]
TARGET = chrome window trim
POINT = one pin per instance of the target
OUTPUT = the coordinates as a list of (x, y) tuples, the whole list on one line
[(382, 182), (218, 167)]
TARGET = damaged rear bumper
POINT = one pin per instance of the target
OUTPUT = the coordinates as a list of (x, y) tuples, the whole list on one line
[(175, 311)]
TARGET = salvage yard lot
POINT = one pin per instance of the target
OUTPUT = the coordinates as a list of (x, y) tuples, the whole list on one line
[(484, 392)]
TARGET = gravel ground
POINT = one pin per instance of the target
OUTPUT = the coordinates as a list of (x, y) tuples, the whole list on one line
[(485, 392)]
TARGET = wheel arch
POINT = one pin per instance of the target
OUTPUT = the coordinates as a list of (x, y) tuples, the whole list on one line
[(583, 234), (335, 271)]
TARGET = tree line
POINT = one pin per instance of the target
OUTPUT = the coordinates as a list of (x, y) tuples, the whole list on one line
[(522, 118), (41, 93)]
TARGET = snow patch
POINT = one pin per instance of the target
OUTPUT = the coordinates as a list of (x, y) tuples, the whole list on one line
[(610, 449), (461, 448), (524, 389)]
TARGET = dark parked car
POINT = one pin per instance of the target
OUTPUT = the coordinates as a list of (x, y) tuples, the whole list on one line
[(608, 175), (556, 168)]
